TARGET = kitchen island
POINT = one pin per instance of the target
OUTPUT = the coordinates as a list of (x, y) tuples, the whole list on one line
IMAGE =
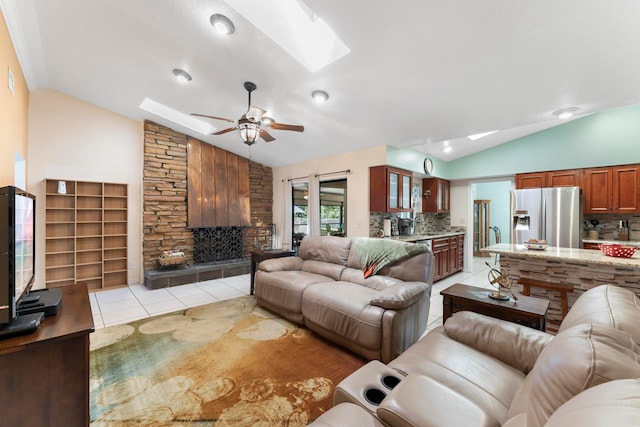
[(580, 269)]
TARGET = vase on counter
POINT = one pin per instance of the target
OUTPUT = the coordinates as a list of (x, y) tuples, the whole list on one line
[(593, 234)]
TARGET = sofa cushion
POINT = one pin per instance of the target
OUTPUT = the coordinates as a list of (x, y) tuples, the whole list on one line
[(331, 249), (376, 282), (578, 358), (347, 414), (323, 268), (284, 289), (345, 309), (606, 305), (616, 403), (487, 382)]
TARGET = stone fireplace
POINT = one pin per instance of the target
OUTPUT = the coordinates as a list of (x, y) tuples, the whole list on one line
[(165, 216)]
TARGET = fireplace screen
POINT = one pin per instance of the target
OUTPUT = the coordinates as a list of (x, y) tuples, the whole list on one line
[(218, 244)]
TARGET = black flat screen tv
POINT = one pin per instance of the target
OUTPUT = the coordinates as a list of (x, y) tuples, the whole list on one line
[(17, 249)]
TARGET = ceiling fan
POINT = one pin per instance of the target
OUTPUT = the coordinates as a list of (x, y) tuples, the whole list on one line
[(252, 123)]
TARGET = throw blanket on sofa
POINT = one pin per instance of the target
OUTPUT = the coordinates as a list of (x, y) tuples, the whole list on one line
[(376, 254)]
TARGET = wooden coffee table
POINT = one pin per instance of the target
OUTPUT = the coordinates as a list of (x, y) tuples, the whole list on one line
[(527, 311)]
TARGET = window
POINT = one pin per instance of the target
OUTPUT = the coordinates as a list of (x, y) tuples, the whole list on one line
[(333, 209)]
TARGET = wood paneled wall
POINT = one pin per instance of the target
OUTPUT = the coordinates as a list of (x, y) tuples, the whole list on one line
[(217, 187)]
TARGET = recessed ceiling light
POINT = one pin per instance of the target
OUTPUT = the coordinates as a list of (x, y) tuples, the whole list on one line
[(481, 135), (565, 113), (182, 75), (447, 149), (222, 24), (319, 95)]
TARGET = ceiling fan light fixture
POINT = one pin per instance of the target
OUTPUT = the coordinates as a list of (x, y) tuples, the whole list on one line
[(249, 132), (222, 24), (565, 113), (319, 95), (181, 75), (266, 121)]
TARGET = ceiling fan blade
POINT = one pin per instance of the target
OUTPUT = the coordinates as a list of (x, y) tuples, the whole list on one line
[(282, 126), (223, 131), (213, 117), (266, 136)]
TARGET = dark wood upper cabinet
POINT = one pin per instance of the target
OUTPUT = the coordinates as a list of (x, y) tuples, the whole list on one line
[(530, 180), (435, 195), (561, 178), (597, 190), (217, 187), (626, 188), (389, 189)]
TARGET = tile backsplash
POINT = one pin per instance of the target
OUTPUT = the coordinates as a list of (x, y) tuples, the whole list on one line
[(609, 223), (423, 223)]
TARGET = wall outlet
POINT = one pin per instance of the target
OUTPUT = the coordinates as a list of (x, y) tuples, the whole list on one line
[(11, 83)]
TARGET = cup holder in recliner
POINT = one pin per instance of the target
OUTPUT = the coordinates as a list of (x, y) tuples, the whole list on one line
[(390, 381), (374, 396)]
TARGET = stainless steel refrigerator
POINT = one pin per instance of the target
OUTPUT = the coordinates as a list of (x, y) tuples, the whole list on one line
[(551, 214)]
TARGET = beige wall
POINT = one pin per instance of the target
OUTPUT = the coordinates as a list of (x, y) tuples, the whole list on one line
[(357, 184), (72, 140), (14, 110)]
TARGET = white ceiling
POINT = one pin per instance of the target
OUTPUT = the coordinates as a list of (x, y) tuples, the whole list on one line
[(420, 72)]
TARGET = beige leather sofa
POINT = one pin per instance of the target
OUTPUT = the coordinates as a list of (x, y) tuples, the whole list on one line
[(324, 289), (480, 371)]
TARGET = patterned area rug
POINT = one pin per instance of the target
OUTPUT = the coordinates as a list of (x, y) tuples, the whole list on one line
[(229, 363)]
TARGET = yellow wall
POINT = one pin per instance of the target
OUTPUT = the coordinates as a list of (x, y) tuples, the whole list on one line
[(14, 110)]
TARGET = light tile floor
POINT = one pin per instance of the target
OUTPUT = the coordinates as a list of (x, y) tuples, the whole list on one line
[(136, 302)]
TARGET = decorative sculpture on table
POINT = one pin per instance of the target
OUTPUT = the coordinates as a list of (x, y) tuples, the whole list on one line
[(502, 281)]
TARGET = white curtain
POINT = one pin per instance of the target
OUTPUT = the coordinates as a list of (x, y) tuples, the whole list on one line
[(286, 217), (313, 211)]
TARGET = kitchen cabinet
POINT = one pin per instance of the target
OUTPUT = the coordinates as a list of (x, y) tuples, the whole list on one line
[(448, 255), (560, 178), (435, 195), (389, 189), (614, 189)]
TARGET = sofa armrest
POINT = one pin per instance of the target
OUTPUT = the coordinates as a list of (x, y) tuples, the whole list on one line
[(421, 401), (399, 296), (290, 263), (516, 345)]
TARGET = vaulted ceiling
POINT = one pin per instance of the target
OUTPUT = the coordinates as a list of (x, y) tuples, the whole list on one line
[(420, 73)]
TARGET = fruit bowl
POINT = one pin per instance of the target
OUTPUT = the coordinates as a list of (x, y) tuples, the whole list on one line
[(618, 251), (536, 245)]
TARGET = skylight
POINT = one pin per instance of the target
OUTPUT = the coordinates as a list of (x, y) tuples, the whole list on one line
[(175, 116), (293, 26), (481, 135)]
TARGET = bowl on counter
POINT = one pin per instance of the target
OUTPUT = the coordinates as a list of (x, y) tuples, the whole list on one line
[(536, 246), (616, 250)]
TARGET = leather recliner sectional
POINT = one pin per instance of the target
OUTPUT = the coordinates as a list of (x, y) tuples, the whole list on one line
[(324, 289), (479, 371)]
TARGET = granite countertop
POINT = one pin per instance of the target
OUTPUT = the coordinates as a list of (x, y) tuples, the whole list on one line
[(430, 236), (613, 242), (566, 255)]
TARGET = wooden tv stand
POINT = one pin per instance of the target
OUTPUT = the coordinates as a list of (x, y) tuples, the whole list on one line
[(44, 376)]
